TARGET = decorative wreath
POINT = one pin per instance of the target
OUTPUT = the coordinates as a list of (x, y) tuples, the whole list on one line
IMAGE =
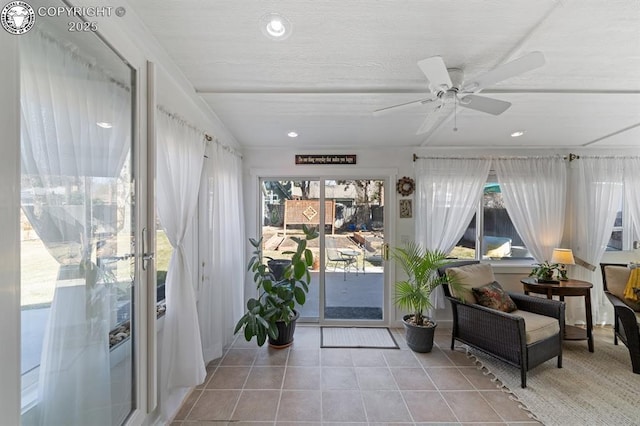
[(405, 186)]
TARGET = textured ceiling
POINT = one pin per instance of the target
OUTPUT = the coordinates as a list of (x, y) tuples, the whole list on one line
[(345, 59)]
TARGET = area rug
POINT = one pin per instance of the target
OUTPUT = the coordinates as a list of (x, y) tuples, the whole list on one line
[(590, 389), (352, 337), (352, 312)]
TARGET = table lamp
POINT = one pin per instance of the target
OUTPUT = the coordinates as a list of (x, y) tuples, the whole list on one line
[(563, 257)]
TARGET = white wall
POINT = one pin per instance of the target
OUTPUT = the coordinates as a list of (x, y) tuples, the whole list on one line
[(399, 162), (380, 163)]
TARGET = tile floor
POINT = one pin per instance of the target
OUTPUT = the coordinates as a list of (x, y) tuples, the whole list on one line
[(308, 386)]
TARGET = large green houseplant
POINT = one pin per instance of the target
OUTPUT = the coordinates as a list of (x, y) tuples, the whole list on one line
[(271, 314), (414, 293)]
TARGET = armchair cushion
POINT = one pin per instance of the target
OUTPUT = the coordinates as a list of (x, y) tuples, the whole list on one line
[(469, 276), (538, 327), (493, 296), (616, 278)]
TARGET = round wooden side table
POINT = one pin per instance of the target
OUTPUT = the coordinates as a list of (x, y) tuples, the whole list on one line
[(562, 289)]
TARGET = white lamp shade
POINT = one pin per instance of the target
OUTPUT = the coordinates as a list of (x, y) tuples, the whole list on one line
[(564, 256)]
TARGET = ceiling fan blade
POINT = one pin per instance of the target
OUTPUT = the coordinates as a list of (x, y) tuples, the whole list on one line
[(518, 66), (484, 104), (400, 107), (436, 71), (434, 117)]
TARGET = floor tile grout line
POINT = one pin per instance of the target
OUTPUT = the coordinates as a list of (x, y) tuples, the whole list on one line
[(284, 375), (438, 387), (458, 367), (413, 420), (480, 390), (224, 353), (323, 421), (364, 406), (235, 407)]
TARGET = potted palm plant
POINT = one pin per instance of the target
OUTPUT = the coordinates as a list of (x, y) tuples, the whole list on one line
[(414, 293), (271, 315)]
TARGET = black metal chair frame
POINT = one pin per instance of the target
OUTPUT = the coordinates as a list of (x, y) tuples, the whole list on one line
[(625, 322), (336, 256), (502, 335)]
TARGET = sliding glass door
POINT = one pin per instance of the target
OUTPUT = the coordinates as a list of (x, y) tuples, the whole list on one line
[(77, 229), (348, 275), (286, 206), (354, 284)]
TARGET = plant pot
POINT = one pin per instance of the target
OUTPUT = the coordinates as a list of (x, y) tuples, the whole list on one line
[(419, 338), (277, 267), (285, 333)]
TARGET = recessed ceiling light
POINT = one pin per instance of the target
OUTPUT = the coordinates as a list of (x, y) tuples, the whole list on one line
[(104, 124), (292, 134), (275, 26), (518, 133)]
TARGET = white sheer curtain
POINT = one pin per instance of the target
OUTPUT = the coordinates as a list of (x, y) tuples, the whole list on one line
[(534, 192), (447, 194), (597, 184), (180, 156), (222, 249), (65, 156), (632, 188)]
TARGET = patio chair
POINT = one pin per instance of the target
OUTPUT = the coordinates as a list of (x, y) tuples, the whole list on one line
[(334, 255), (626, 313), (524, 338)]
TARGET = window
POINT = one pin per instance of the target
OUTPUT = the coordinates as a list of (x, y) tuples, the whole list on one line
[(163, 255), (624, 234), (615, 242), (493, 227)]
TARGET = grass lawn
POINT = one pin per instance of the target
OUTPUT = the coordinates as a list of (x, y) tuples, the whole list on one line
[(39, 269)]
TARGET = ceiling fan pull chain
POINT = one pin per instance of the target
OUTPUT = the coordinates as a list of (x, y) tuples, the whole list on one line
[(455, 114)]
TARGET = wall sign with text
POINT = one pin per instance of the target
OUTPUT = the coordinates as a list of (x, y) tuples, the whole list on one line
[(342, 159)]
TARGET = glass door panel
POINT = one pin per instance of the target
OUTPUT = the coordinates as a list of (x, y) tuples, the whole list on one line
[(286, 206), (77, 272), (354, 268)]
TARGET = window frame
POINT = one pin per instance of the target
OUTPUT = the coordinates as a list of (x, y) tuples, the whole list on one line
[(492, 178)]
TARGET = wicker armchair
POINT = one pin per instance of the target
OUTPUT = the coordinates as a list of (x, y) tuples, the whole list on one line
[(502, 335), (614, 279)]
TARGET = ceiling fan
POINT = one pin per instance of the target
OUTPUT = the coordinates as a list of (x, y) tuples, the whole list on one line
[(449, 89)]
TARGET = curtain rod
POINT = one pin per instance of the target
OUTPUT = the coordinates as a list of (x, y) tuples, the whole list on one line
[(75, 53), (569, 157), (182, 121), (207, 137)]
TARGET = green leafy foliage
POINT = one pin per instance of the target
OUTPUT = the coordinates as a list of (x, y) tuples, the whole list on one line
[(276, 297), (421, 267), (545, 270)]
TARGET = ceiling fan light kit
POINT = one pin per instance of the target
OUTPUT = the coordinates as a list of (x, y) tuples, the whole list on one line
[(448, 88)]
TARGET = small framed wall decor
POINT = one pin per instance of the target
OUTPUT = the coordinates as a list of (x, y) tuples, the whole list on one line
[(405, 209), (405, 186)]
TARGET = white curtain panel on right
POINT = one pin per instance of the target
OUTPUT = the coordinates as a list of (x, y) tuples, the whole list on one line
[(597, 188), (534, 191), (632, 188)]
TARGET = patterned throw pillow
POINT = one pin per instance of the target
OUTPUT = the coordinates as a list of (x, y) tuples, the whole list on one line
[(493, 296)]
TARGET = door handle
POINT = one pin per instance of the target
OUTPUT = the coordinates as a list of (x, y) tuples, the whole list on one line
[(385, 251), (146, 257)]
